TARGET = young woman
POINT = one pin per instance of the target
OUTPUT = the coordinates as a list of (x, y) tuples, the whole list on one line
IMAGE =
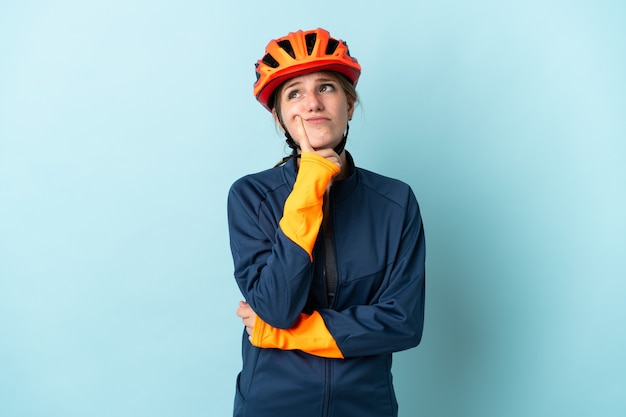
[(329, 256)]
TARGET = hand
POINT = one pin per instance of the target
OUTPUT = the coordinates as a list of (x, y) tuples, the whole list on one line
[(248, 317), (305, 145)]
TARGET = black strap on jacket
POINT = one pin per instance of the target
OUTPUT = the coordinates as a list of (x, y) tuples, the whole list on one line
[(330, 268)]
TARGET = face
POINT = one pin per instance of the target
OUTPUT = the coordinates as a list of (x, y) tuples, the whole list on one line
[(320, 101)]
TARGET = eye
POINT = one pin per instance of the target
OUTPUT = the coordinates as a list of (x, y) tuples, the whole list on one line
[(327, 87), (292, 94)]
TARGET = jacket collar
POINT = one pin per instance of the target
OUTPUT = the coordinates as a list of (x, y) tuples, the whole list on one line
[(342, 189)]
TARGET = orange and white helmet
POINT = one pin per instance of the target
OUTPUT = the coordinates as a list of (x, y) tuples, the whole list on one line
[(301, 53)]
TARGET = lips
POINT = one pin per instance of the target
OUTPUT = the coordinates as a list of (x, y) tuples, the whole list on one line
[(317, 120)]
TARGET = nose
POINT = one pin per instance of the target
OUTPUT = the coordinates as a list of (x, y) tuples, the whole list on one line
[(314, 102)]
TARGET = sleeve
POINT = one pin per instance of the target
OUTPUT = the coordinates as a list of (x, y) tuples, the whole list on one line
[(273, 266), (392, 324), (302, 216), (309, 334)]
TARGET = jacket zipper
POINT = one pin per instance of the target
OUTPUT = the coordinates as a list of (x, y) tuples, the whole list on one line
[(327, 377), (331, 289), (327, 388), (330, 277)]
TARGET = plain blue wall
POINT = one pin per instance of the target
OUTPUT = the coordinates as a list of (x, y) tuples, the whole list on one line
[(123, 124)]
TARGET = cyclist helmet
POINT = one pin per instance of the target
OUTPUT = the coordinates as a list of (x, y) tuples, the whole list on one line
[(301, 53)]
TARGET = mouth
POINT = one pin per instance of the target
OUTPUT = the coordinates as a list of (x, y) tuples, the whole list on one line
[(317, 120)]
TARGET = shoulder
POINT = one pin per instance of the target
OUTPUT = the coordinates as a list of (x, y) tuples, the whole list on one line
[(392, 189), (391, 197), (252, 189), (263, 181)]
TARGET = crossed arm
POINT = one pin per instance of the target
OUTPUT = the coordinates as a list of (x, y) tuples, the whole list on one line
[(276, 283)]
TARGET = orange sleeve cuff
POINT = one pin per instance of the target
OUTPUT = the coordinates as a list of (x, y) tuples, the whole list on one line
[(302, 214), (309, 335)]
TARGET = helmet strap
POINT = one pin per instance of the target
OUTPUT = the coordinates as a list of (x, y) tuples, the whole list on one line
[(288, 138), (342, 144)]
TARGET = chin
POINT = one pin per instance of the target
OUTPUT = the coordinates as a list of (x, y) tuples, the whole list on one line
[(321, 144)]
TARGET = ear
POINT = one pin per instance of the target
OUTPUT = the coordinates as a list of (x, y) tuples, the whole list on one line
[(277, 119), (350, 109)]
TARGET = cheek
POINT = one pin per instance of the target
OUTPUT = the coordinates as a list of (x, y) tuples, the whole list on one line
[(287, 113), (344, 111)]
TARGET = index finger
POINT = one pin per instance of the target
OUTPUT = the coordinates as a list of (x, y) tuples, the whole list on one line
[(305, 144)]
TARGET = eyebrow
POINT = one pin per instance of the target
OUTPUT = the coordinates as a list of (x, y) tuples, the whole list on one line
[(321, 80)]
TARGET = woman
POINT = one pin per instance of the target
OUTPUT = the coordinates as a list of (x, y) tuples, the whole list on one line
[(329, 256)]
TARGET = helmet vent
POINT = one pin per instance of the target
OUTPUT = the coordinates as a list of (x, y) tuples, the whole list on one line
[(270, 61), (286, 45), (310, 39), (347, 50), (332, 46)]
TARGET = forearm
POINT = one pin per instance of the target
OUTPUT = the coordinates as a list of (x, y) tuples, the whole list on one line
[(309, 334), (302, 216), (357, 331)]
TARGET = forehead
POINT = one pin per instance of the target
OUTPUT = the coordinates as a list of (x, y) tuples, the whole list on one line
[(311, 78)]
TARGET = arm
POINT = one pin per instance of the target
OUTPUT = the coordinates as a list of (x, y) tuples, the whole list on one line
[(308, 334), (274, 271), (302, 216), (393, 323)]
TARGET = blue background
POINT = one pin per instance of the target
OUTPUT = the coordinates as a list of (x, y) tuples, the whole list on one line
[(123, 124)]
